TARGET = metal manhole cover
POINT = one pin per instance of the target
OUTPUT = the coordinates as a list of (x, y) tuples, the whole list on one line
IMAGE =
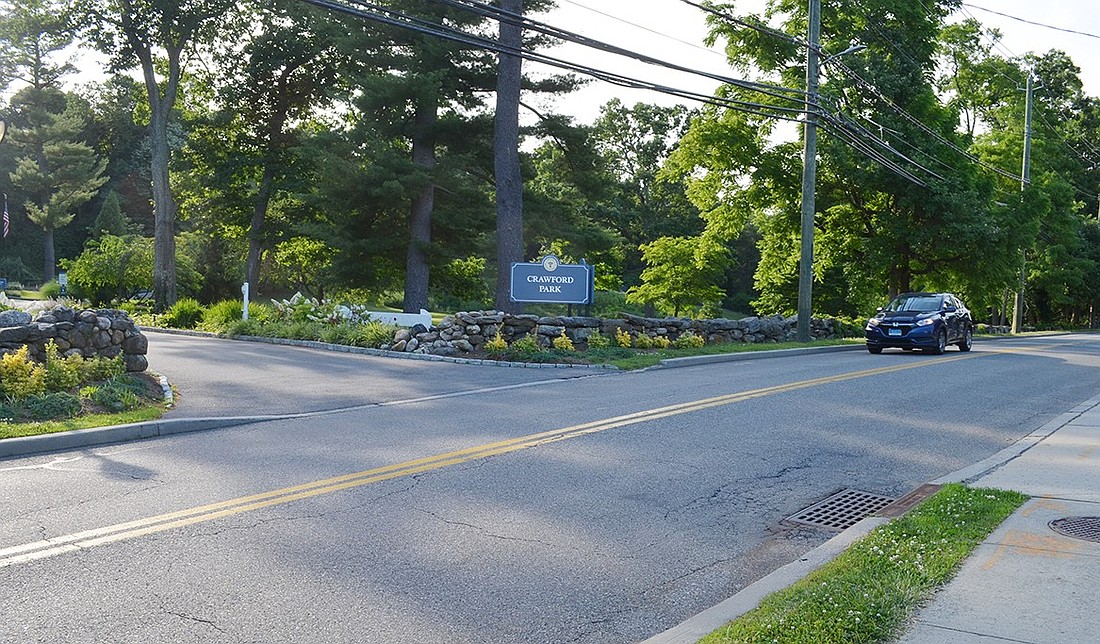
[(841, 510), (1087, 528)]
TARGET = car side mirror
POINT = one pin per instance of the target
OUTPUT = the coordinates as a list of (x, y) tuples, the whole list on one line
[(950, 309)]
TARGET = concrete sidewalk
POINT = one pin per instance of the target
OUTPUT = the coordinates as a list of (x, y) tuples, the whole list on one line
[(1028, 582)]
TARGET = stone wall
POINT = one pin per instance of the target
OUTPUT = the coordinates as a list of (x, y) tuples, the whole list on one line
[(462, 333), (89, 333)]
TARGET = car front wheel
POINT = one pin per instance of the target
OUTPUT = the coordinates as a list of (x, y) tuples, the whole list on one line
[(941, 343), (875, 350), (967, 340)]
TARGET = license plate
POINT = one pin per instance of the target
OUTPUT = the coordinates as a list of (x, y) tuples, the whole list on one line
[(894, 332)]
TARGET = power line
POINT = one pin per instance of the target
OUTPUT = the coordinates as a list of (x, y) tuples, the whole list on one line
[(644, 28), (1032, 22), (489, 11), (383, 15)]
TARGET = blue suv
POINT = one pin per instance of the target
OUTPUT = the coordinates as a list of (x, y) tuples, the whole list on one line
[(926, 321)]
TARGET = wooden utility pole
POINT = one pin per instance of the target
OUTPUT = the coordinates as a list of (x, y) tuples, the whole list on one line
[(1025, 178), (809, 178)]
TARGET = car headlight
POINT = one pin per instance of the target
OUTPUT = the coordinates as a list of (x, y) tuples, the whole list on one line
[(873, 322), (926, 321)]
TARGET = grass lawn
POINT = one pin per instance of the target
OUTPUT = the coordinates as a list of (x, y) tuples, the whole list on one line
[(866, 594)]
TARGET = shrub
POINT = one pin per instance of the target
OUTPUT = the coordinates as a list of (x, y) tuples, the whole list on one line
[(348, 334), (56, 404), (643, 341), (51, 290), (497, 344), (524, 347), (297, 309), (689, 341), (563, 342), (184, 314), (20, 376), (598, 341), (662, 342), (62, 373), (374, 334), (622, 338), (222, 314), (100, 368), (238, 328)]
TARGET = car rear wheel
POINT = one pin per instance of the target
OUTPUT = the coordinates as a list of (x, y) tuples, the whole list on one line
[(875, 350), (941, 343), (967, 340)]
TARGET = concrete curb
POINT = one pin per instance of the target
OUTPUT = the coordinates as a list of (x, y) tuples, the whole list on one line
[(79, 438)]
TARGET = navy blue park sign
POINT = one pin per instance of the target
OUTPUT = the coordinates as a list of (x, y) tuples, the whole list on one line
[(552, 281)]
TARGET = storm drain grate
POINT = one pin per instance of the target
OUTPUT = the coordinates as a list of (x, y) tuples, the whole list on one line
[(1087, 528), (841, 510)]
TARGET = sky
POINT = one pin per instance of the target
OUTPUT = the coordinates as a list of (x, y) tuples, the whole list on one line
[(674, 31)]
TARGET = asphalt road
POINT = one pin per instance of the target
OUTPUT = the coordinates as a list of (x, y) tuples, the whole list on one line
[(479, 504)]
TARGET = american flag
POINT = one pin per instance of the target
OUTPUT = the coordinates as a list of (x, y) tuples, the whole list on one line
[(7, 224)]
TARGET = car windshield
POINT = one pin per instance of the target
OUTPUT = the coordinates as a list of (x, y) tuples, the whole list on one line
[(921, 303)]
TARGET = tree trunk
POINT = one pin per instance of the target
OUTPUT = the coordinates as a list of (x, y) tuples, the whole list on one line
[(509, 183), (164, 231), (49, 263), (256, 228), (420, 217)]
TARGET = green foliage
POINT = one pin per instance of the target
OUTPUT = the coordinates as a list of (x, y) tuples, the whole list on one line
[(374, 334), (186, 313), (218, 317), (460, 285), (303, 264), (120, 268), (52, 405), (51, 290), (524, 348), (680, 273), (116, 394), (111, 220), (101, 368), (62, 373), (598, 341), (622, 338)]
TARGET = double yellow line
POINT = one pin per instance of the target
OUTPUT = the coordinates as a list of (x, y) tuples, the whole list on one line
[(119, 532)]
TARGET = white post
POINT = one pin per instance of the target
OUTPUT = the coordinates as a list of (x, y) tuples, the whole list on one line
[(244, 291)]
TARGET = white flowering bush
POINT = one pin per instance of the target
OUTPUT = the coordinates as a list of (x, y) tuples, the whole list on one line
[(297, 309)]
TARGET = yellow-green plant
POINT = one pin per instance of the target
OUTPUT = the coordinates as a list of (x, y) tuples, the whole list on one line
[(661, 342), (496, 344), (643, 341), (622, 338), (689, 341), (62, 374), (564, 342), (20, 376)]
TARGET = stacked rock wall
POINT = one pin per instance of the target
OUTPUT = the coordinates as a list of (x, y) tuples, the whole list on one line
[(89, 332), (464, 332)]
